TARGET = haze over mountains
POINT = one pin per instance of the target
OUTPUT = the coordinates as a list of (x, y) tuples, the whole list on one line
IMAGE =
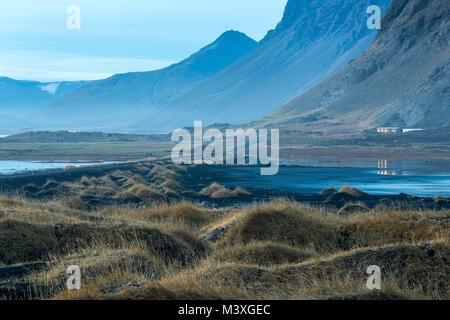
[(327, 71), (125, 98), (314, 39), (233, 80), (21, 100), (403, 79)]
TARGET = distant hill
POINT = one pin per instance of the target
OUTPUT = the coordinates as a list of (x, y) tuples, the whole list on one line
[(403, 79), (22, 99), (126, 98), (313, 40)]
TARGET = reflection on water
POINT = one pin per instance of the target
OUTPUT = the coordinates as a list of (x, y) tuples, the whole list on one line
[(383, 164), (389, 172), (420, 178)]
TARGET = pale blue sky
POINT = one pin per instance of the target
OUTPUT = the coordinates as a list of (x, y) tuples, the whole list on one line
[(118, 35)]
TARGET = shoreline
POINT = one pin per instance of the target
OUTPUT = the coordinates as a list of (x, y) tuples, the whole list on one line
[(192, 179), (419, 163)]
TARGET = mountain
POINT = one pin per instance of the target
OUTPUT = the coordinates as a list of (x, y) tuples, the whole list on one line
[(125, 98), (313, 40), (10, 124), (22, 99), (403, 79)]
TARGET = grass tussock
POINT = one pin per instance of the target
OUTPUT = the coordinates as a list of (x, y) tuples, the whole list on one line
[(306, 227), (217, 191), (275, 250), (414, 271), (77, 203), (146, 194), (285, 222), (351, 191), (142, 184), (25, 242), (346, 193), (328, 192), (352, 208), (183, 214), (189, 214), (263, 254)]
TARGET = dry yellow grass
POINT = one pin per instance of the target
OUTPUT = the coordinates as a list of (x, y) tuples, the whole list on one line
[(414, 271), (328, 192), (351, 191), (299, 225), (217, 191), (351, 208), (188, 213), (263, 254), (142, 184), (275, 250), (286, 222), (213, 188)]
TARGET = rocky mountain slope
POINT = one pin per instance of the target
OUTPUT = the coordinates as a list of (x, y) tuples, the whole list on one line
[(313, 40), (124, 98), (403, 79)]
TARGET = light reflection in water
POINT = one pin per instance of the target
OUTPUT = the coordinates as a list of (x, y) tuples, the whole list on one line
[(383, 164), (389, 172)]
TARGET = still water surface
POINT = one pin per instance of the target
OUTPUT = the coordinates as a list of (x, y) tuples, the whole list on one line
[(420, 178), (13, 166)]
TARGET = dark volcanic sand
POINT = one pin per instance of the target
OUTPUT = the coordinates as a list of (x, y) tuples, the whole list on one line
[(198, 177)]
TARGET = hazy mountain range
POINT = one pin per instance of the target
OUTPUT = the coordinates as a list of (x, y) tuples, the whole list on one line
[(124, 98), (21, 100), (313, 40), (320, 70), (232, 80)]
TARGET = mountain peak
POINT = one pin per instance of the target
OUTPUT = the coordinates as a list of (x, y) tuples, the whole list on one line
[(234, 38), (150, 89), (233, 34), (230, 45)]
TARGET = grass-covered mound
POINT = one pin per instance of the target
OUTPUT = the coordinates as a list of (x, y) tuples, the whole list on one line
[(409, 271), (309, 228), (140, 183), (190, 214), (352, 208), (217, 191), (25, 242), (346, 193), (277, 250), (287, 223), (263, 254)]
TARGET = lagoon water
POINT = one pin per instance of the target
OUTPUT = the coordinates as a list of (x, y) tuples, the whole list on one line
[(311, 180), (13, 166), (420, 179)]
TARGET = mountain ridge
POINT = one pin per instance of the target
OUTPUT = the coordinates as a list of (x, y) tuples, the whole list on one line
[(312, 41), (111, 97), (400, 80)]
